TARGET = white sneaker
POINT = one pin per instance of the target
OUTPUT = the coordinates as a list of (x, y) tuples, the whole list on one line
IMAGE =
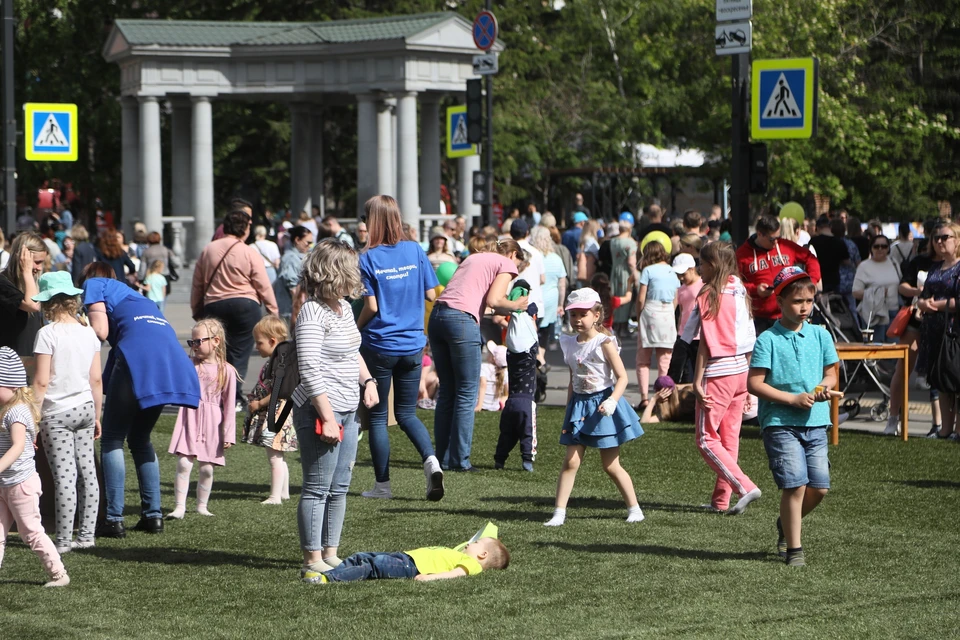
[(83, 544), (380, 490), (434, 474)]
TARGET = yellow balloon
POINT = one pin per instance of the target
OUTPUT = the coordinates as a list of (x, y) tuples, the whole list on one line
[(428, 307), (657, 236), (793, 210)]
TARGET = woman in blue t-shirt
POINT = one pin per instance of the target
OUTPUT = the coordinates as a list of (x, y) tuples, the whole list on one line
[(146, 369), (397, 278)]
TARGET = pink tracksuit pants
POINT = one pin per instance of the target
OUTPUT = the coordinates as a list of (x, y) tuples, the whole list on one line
[(718, 436), (21, 504)]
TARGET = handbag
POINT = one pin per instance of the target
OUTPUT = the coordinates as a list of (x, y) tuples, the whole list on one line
[(944, 373), (900, 321)]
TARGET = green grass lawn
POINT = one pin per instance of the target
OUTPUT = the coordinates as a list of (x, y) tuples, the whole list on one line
[(882, 553)]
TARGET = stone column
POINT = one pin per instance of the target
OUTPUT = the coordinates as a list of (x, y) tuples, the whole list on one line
[(385, 148), (316, 160), (465, 206), (181, 193), (429, 154), (300, 139), (408, 183), (366, 149), (151, 170), (201, 165), (130, 161)]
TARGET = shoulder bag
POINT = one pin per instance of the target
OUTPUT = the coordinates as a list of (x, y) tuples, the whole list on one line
[(217, 269), (944, 370)]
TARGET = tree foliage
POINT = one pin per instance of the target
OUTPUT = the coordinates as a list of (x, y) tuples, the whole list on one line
[(581, 83)]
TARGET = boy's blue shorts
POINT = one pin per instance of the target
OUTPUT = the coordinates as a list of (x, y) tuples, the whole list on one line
[(798, 456)]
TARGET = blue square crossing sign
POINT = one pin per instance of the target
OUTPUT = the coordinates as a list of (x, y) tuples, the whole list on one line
[(784, 99), (50, 131), (457, 144)]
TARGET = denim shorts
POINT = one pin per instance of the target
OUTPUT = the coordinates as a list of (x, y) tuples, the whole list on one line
[(798, 456)]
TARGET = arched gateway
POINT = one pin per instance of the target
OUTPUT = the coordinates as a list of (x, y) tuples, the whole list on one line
[(388, 66)]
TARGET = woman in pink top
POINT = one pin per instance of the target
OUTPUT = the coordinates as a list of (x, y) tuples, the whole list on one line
[(229, 283), (482, 280)]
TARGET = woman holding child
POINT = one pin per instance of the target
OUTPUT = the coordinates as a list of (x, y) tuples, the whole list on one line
[(481, 281)]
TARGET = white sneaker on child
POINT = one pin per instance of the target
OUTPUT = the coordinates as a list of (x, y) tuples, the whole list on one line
[(380, 490), (59, 580), (83, 544)]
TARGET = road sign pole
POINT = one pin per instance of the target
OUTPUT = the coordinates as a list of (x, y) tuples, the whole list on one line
[(487, 211), (740, 161), (8, 188)]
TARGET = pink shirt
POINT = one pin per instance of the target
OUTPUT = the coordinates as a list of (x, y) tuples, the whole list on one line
[(688, 300), (467, 289)]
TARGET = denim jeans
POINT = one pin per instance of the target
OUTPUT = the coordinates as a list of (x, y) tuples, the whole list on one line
[(374, 566), (123, 419), (404, 371), (455, 344), (239, 316), (327, 470), (798, 456)]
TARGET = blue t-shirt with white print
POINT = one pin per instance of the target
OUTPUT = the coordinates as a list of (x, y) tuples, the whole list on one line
[(399, 276)]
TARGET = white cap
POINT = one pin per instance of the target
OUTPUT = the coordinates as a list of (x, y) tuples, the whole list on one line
[(499, 353), (682, 262), (585, 298)]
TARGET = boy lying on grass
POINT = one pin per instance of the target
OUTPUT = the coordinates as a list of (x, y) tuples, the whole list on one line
[(427, 563)]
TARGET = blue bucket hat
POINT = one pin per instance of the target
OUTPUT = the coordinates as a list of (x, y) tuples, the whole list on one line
[(55, 283)]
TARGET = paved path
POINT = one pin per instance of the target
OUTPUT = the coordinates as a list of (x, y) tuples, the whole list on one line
[(178, 313)]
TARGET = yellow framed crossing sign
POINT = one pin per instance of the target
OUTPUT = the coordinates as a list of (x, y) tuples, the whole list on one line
[(783, 100), (50, 131), (457, 144)]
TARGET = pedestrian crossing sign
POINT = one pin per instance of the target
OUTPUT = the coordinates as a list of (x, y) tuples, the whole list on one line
[(457, 144), (784, 99), (50, 131)]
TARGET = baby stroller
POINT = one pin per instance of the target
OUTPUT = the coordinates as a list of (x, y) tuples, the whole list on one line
[(839, 319)]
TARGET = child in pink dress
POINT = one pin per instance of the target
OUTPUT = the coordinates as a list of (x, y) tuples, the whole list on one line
[(203, 433)]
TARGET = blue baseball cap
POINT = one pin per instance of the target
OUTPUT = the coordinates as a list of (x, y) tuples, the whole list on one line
[(627, 217), (786, 276), (579, 217)]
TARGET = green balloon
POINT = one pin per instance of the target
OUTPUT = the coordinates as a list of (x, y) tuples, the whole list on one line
[(792, 210), (445, 272)]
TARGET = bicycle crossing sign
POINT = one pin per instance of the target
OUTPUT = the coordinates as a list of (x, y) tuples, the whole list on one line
[(457, 144), (50, 131), (784, 99)]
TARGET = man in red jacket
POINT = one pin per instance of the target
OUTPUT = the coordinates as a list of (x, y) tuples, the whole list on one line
[(761, 258)]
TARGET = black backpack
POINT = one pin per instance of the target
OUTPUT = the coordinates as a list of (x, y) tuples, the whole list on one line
[(283, 369)]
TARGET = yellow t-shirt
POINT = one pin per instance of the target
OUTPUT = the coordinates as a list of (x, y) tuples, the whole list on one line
[(430, 560)]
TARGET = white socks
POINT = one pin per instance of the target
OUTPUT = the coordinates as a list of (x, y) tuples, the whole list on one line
[(742, 503), (634, 514), (181, 485), (333, 561), (279, 478), (559, 516), (204, 485)]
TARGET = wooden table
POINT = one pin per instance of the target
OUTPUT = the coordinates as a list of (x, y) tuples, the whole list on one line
[(854, 351)]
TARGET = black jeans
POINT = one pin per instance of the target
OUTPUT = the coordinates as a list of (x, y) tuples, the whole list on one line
[(239, 316), (683, 361)]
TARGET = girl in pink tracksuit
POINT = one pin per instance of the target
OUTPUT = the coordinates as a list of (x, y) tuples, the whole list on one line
[(720, 377)]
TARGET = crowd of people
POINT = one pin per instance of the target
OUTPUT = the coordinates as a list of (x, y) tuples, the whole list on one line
[(358, 330)]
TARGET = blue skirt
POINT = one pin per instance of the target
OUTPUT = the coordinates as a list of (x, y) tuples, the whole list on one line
[(583, 423)]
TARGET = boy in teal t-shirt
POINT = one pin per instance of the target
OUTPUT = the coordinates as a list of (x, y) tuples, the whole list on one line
[(791, 372)]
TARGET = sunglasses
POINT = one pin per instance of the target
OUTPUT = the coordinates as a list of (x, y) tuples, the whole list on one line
[(943, 238), (881, 246), (196, 343)]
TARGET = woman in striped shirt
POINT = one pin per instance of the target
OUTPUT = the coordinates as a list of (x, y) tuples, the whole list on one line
[(332, 377)]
